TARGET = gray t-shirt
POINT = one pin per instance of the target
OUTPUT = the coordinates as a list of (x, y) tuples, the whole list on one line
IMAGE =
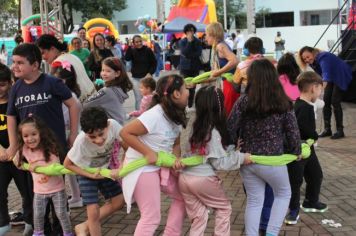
[(111, 99)]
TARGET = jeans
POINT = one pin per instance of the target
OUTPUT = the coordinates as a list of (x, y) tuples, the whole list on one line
[(159, 66), (136, 91), (333, 97)]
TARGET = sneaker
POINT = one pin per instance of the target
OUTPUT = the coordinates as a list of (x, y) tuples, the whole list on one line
[(318, 207), (325, 133), (292, 217), (4, 229), (28, 231), (76, 204), (338, 134), (16, 218)]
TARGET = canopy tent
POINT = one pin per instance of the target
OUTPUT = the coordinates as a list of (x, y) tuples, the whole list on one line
[(177, 25)]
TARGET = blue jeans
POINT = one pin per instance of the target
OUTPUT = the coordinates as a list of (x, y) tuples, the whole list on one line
[(159, 66), (267, 206)]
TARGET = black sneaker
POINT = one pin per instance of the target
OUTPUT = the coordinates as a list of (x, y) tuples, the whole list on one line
[(325, 133), (338, 134), (292, 217), (318, 207), (16, 218)]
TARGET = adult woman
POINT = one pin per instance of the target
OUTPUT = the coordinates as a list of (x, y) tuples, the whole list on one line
[(81, 53), (264, 119), (53, 50), (143, 64), (98, 54), (222, 60), (337, 76)]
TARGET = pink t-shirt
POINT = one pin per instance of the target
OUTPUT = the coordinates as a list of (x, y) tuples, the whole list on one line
[(145, 103), (291, 90), (43, 184)]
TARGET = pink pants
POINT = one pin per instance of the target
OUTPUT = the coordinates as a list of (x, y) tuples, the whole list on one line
[(199, 193), (148, 197)]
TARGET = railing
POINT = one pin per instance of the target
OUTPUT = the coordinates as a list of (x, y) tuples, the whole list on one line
[(332, 21)]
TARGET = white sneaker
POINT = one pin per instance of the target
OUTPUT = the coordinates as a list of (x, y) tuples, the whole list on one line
[(75, 204)]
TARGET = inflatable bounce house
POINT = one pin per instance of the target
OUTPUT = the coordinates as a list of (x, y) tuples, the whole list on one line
[(31, 32), (202, 11), (100, 25)]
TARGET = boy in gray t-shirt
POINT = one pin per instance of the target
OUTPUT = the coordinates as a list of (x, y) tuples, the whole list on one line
[(94, 148)]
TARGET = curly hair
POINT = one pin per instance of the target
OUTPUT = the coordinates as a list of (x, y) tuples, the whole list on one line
[(93, 118), (166, 85), (48, 142)]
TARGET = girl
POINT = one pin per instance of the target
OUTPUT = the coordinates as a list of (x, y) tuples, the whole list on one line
[(113, 95), (288, 71), (264, 119), (156, 130), (147, 86), (200, 186), (65, 71), (38, 146), (96, 56), (223, 60)]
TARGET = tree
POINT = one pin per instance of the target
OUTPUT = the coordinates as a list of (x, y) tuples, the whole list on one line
[(234, 7), (8, 17), (89, 9)]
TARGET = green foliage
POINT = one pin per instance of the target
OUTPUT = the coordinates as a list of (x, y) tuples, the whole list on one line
[(98, 8), (8, 17), (233, 8)]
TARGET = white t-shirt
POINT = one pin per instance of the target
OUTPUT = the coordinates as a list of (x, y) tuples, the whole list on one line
[(161, 135), (241, 41), (84, 153)]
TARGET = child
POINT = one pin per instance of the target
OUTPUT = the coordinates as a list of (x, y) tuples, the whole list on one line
[(38, 145), (65, 71), (39, 94), (310, 85), (264, 119), (200, 186), (253, 50), (288, 71), (156, 130), (147, 86), (7, 168), (93, 148), (113, 95)]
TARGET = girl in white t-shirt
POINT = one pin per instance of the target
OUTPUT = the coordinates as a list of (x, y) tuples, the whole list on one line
[(65, 71), (200, 186), (157, 129)]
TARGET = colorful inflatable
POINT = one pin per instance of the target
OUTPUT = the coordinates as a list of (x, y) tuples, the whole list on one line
[(203, 11), (105, 27), (31, 32)]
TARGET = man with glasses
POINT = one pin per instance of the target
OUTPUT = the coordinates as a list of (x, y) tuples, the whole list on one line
[(143, 65)]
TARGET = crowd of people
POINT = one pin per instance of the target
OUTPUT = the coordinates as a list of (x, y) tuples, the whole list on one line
[(74, 115)]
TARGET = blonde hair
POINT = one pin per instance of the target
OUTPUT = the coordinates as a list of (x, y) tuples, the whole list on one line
[(216, 31)]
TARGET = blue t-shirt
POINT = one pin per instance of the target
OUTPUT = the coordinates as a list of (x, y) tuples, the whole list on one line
[(42, 98)]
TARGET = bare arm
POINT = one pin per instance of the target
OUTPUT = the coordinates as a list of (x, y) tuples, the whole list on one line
[(76, 169), (130, 134), (73, 119), (11, 129), (224, 52)]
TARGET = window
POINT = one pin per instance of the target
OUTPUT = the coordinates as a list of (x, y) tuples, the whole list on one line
[(321, 17), (275, 19)]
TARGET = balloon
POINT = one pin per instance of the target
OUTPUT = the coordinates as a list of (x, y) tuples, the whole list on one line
[(149, 23), (144, 37), (147, 17), (141, 28)]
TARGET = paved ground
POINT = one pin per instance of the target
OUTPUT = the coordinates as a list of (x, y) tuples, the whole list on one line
[(338, 159)]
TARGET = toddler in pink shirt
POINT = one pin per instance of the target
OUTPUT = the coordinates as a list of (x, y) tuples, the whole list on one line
[(147, 86)]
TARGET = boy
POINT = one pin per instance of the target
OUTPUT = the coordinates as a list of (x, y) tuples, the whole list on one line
[(310, 86), (40, 94), (7, 168), (94, 148)]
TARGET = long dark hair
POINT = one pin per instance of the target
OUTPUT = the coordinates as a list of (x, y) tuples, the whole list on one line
[(121, 81), (287, 65), (210, 114), (48, 143), (264, 90), (69, 77), (166, 85), (96, 49)]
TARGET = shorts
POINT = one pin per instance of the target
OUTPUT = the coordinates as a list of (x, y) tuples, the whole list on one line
[(89, 189)]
